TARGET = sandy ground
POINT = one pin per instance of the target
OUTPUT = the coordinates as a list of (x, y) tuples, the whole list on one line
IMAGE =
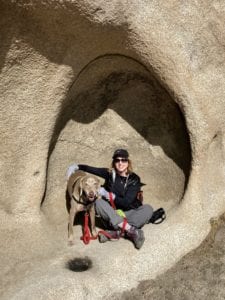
[(198, 275)]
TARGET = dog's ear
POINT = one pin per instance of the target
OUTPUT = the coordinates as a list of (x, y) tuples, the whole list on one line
[(81, 184), (98, 187), (77, 192), (98, 182)]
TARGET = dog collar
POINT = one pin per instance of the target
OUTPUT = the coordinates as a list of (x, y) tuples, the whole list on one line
[(88, 202)]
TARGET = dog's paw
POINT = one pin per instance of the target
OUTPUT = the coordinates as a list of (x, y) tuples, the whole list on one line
[(94, 233)]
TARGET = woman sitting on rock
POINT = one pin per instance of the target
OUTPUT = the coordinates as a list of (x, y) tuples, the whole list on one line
[(122, 210)]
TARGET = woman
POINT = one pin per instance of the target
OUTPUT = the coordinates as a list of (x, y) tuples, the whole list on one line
[(120, 191)]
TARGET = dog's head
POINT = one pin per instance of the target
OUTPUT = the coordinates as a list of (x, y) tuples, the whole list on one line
[(89, 186)]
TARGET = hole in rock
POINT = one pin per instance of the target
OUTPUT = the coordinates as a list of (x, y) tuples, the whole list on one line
[(116, 103), (79, 264)]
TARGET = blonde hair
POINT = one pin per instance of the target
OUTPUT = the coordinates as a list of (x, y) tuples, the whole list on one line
[(129, 168)]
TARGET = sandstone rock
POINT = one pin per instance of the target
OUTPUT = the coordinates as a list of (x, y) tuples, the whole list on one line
[(79, 79)]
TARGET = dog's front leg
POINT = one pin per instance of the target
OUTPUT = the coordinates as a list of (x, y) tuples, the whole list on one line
[(72, 215), (92, 219)]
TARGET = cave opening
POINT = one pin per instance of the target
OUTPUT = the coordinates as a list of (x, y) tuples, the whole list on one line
[(116, 103)]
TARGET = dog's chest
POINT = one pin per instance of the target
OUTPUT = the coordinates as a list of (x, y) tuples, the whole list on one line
[(81, 207)]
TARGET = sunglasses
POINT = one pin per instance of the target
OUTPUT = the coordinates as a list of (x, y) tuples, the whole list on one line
[(116, 160)]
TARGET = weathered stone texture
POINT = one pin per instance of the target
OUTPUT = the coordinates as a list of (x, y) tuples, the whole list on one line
[(79, 79)]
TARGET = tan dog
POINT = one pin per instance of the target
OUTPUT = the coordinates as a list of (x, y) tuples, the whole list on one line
[(82, 191)]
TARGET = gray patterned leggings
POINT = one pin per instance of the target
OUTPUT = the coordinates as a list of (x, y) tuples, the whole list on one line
[(137, 217)]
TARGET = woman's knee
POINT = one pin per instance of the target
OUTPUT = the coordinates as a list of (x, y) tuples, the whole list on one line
[(148, 210), (100, 206)]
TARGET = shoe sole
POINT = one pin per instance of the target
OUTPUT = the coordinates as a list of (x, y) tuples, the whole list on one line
[(102, 238), (138, 244)]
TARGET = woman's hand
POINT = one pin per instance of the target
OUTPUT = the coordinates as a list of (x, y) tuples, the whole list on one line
[(102, 191), (72, 168)]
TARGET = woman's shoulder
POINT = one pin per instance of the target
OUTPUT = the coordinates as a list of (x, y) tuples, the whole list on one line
[(134, 178)]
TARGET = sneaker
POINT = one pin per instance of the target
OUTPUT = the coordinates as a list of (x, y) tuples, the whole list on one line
[(136, 236), (107, 235)]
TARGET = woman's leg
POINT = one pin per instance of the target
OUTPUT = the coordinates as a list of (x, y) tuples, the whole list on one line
[(107, 213), (140, 216)]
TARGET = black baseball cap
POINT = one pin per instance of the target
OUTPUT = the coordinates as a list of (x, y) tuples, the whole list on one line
[(120, 153)]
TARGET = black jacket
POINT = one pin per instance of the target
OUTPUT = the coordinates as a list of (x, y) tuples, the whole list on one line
[(125, 188)]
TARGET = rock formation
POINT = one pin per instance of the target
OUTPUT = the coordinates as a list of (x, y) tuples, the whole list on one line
[(80, 79)]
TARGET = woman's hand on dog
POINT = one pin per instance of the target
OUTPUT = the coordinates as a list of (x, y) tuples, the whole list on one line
[(72, 168)]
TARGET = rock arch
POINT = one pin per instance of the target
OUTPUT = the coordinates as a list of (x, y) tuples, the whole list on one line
[(114, 102), (44, 46)]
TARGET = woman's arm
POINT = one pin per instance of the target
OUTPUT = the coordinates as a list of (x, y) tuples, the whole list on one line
[(101, 172)]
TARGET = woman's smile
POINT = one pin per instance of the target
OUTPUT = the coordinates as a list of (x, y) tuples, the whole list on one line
[(121, 165)]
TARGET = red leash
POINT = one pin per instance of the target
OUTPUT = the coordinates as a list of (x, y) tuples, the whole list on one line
[(109, 236), (111, 200), (86, 231)]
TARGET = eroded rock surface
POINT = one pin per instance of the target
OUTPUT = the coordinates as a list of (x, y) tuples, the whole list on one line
[(80, 79), (198, 275)]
